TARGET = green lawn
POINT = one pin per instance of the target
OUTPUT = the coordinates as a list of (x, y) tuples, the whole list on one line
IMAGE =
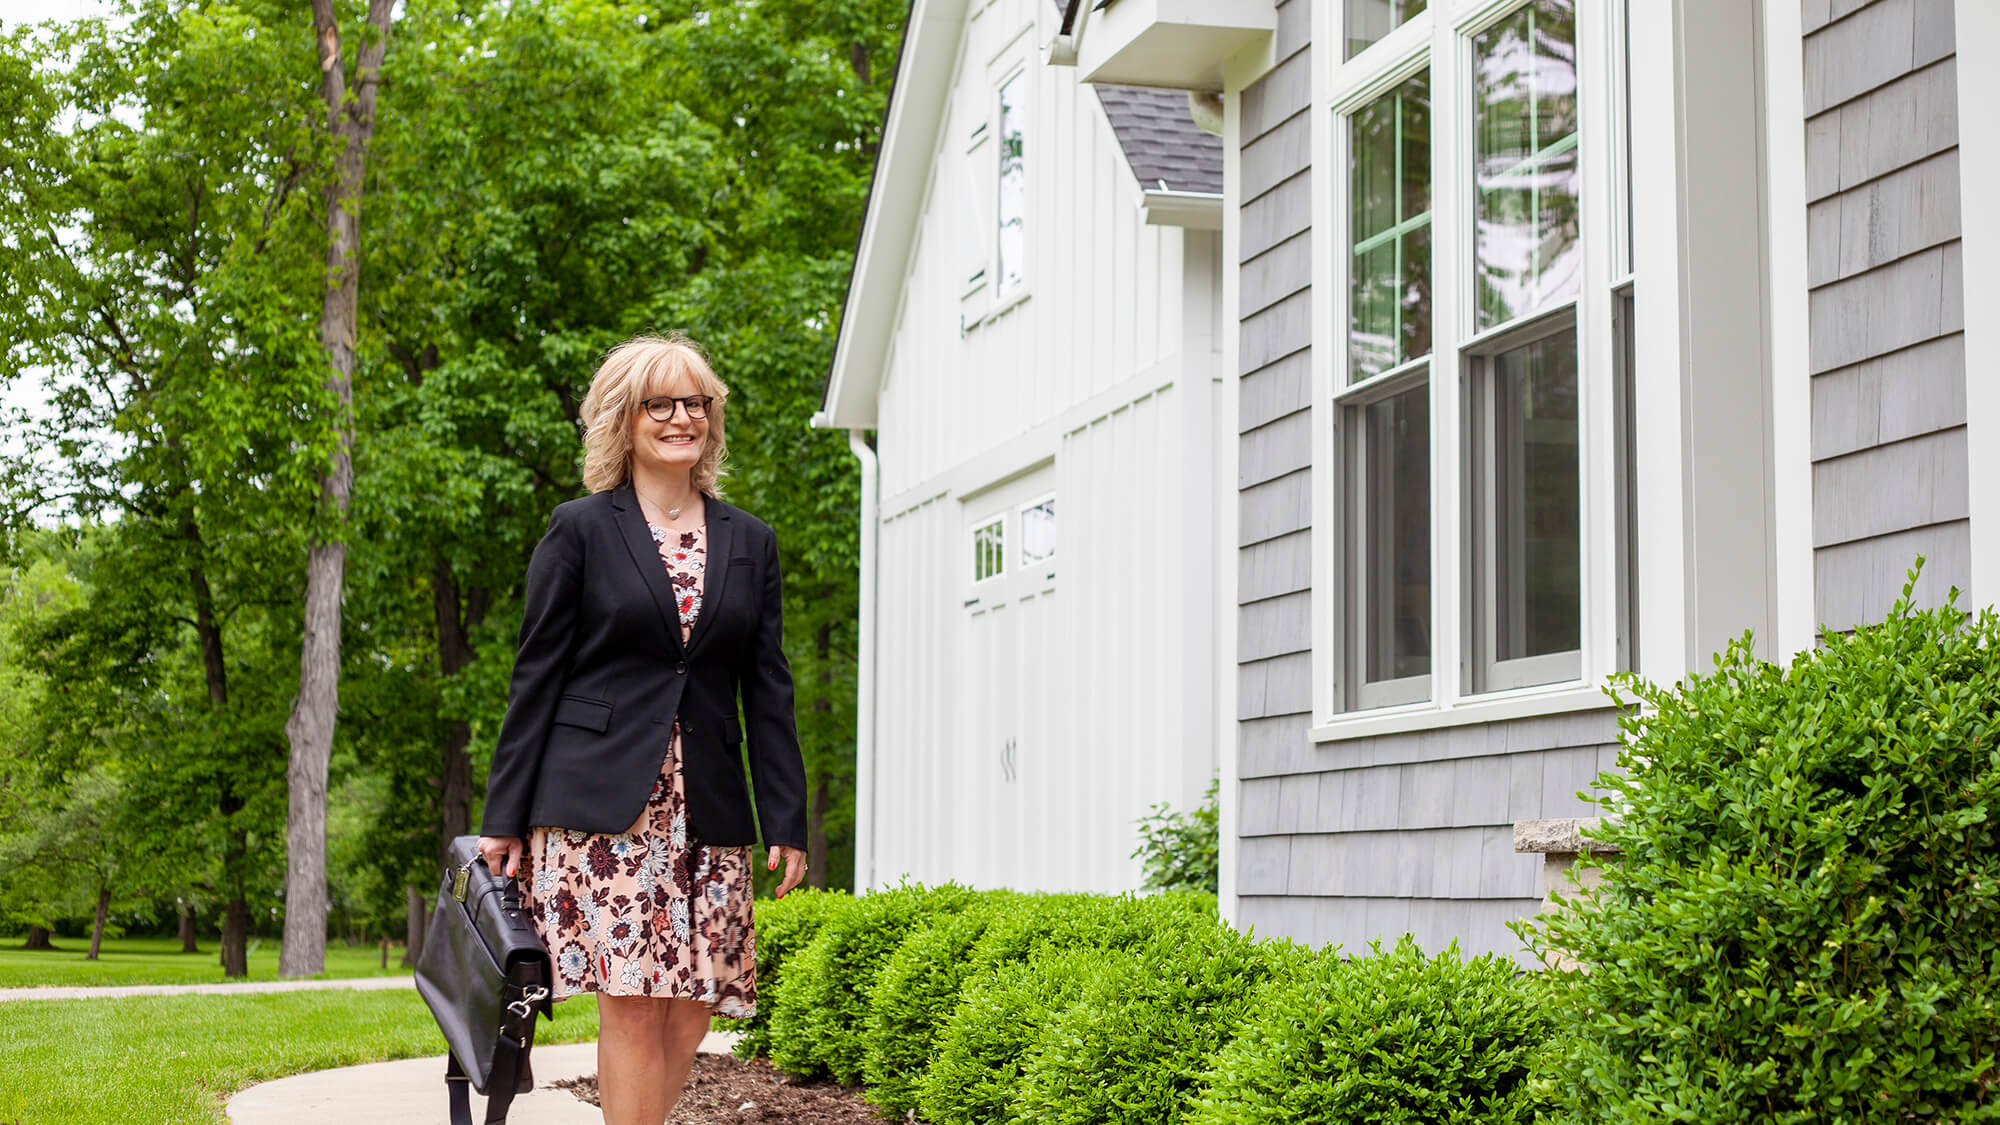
[(169, 1060), (160, 961)]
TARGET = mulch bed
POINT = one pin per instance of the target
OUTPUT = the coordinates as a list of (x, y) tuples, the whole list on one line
[(724, 1088)]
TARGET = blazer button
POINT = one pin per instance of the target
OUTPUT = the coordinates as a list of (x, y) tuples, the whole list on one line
[(681, 669)]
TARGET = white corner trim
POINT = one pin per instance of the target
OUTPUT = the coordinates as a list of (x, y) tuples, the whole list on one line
[(1227, 733), (1979, 170), (1527, 703), (1789, 329)]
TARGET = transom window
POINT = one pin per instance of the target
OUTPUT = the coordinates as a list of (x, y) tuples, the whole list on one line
[(1468, 298), (989, 550)]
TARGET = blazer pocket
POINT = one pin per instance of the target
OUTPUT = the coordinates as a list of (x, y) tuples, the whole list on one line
[(582, 711), (732, 731)]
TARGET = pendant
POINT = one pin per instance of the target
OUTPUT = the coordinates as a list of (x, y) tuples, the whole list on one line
[(673, 513)]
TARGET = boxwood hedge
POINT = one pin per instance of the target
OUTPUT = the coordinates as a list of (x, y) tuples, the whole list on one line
[(1389, 1037), (784, 926), (817, 1027), (1133, 1047), (918, 988), (1804, 920)]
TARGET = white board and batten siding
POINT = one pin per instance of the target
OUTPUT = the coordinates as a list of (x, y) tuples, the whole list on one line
[(1028, 720)]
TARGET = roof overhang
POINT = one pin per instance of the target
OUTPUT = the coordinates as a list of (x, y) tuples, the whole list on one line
[(1179, 44), (895, 203)]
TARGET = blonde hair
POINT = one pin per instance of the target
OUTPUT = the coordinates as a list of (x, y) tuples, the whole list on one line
[(631, 373)]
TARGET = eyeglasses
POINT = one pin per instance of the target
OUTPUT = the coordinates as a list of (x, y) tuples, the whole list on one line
[(661, 407)]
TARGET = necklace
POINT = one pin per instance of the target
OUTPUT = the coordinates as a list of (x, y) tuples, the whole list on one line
[(673, 513)]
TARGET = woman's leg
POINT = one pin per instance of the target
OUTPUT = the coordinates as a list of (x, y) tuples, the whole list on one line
[(687, 1023), (645, 1048), (631, 1068)]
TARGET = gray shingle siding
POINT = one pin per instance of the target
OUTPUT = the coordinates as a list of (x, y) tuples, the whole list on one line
[(1408, 831), (1886, 303)]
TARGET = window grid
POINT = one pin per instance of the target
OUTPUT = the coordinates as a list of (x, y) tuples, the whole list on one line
[(989, 550), (1572, 147)]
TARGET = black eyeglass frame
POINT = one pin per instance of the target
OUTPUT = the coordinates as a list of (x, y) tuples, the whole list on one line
[(695, 405)]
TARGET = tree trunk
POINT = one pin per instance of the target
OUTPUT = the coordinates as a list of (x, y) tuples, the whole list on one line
[(816, 847), (38, 939), (456, 618), (310, 727), (236, 915), (236, 936), (419, 919), (187, 930), (97, 926)]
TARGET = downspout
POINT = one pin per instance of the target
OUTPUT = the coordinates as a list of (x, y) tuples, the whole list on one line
[(864, 677)]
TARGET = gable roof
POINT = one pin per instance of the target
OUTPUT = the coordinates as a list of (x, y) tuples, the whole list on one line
[(1154, 129)]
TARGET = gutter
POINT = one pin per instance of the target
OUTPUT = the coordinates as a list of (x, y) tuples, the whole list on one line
[(1062, 49), (864, 672)]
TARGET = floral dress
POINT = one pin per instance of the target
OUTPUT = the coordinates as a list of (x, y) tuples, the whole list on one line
[(651, 911)]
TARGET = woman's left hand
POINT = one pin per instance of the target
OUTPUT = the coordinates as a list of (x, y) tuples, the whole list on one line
[(795, 866)]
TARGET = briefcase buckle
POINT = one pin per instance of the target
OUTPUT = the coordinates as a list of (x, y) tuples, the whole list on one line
[(526, 1004)]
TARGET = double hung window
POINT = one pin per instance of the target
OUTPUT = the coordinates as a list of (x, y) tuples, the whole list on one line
[(1476, 377)]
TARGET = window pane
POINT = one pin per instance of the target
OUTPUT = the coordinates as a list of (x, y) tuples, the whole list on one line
[(1389, 230), (1013, 184), (1369, 20), (1524, 92), (1537, 584), (1396, 536), (1038, 531), (988, 550)]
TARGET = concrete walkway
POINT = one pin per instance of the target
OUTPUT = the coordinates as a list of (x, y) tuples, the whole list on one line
[(411, 1092), (63, 992)]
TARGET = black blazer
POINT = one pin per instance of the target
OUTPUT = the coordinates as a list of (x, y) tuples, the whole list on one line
[(601, 673)]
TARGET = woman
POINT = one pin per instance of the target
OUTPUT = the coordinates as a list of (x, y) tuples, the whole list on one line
[(617, 792)]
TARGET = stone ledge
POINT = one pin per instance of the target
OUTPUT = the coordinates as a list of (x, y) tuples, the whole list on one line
[(1559, 836)]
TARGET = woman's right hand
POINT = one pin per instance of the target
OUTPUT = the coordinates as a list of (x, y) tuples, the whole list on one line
[(501, 849)]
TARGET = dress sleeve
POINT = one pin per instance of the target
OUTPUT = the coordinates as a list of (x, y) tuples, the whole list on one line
[(777, 768), (541, 668)]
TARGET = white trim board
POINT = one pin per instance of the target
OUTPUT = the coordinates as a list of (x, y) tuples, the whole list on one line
[(1979, 168)]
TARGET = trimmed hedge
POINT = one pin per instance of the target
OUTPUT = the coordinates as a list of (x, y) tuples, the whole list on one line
[(916, 992), (1804, 920), (784, 926), (1133, 1048), (976, 1074), (1389, 1037), (818, 1027)]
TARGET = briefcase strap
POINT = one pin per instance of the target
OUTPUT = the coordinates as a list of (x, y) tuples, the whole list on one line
[(510, 1058), (512, 1073)]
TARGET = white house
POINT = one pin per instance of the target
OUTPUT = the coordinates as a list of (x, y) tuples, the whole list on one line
[(1033, 333), (1561, 338)]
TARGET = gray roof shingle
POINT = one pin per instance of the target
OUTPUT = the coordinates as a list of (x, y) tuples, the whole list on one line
[(1161, 140)]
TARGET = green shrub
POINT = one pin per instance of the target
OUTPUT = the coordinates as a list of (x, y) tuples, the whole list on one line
[(1802, 922), (1389, 1037), (784, 927), (1133, 1047), (1183, 851), (1075, 920), (976, 1073), (918, 988), (817, 1028)]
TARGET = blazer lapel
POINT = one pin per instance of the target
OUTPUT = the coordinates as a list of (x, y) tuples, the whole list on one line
[(646, 556), (721, 542)]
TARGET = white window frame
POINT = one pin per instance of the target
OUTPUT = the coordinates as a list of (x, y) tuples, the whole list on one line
[(973, 547), (1440, 39), (981, 301), (1020, 524)]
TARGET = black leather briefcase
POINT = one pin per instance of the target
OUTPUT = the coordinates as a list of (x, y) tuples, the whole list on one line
[(485, 975)]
